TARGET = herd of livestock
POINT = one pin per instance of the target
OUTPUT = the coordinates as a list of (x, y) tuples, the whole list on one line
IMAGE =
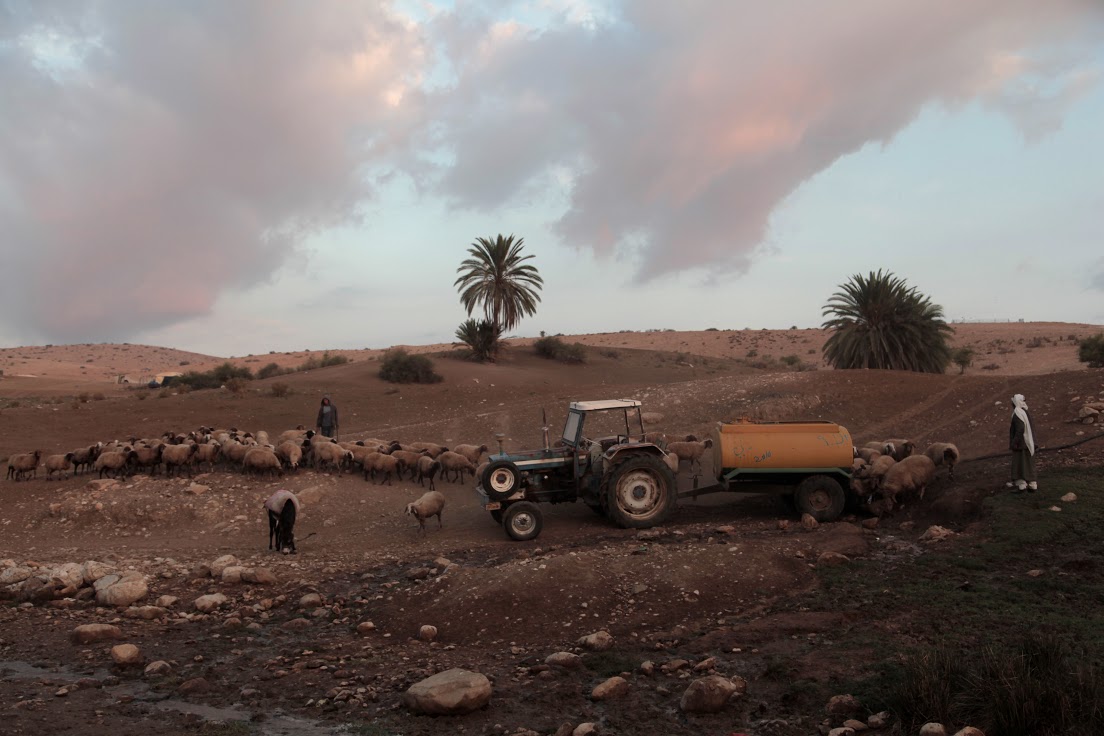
[(883, 473)]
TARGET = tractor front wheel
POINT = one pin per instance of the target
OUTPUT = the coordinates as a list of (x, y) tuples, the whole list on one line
[(500, 480), (640, 492), (522, 521)]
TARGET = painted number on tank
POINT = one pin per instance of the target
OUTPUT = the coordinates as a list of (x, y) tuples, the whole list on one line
[(760, 458)]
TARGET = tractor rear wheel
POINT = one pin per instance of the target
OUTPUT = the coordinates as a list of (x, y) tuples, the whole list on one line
[(640, 492)]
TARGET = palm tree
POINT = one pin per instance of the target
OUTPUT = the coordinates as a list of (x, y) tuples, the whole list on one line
[(482, 337), (878, 321), (496, 278)]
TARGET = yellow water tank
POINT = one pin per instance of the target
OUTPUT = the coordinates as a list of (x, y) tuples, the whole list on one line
[(748, 445)]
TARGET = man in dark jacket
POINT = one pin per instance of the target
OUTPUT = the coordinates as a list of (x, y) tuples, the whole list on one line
[(327, 418), (1021, 441)]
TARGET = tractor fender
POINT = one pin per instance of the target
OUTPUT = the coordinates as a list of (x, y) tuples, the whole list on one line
[(620, 455)]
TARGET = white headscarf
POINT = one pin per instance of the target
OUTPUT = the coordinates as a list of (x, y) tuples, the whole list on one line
[(1020, 411)]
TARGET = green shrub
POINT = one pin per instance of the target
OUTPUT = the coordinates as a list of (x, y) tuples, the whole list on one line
[(610, 353), (280, 389), (83, 397), (790, 360), (98, 396), (271, 370), (235, 386), (553, 348), (399, 366), (482, 338), (963, 358), (328, 360), (1091, 351)]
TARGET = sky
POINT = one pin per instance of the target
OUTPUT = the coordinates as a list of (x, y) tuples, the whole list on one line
[(246, 176)]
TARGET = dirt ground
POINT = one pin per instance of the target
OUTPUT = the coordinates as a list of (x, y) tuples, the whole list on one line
[(700, 586)]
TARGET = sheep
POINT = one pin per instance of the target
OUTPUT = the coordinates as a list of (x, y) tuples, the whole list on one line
[(331, 453), (207, 453), (177, 457), (113, 463), (386, 464), (690, 451), (427, 467), (295, 435), (910, 475), (389, 445), (233, 451), (471, 452), (58, 464), (261, 437), (943, 453), (431, 503), (20, 465), (868, 454), (870, 475), (290, 454), (656, 438), (260, 461), (410, 459), (282, 507), (455, 463), (148, 457), (83, 457), (434, 451), (900, 448)]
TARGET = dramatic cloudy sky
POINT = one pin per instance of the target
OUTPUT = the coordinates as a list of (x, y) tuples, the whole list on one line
[(243, 176)]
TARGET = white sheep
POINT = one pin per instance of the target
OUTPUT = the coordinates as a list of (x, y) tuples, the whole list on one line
[(177, 457), (290, 454), (262, 461), (378, 462), (690, 451), (328, 453), (207, 454), (911, 476), (432, 503), (943, 453)]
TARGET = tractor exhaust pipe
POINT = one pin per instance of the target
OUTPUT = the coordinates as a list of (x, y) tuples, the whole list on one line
[(544, 428)]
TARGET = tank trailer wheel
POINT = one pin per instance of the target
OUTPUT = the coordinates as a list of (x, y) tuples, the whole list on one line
[(640, 493), (821, 497), (522, 521), (500, 480)]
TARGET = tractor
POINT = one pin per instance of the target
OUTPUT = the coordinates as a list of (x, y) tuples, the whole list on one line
[(622, 477)]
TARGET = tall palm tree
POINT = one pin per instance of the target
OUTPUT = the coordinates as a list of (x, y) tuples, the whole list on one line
[(878, 321), (496, 278)]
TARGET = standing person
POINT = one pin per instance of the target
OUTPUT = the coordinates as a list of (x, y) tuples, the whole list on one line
[(327, 418), (1021, 441)]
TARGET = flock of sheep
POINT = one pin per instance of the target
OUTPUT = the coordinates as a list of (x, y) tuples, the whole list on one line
[(885, 472)]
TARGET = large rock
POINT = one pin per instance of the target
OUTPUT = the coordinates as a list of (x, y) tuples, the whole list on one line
[(933, 729), (208, 603), (427, 632), (14, 575), (614, 687), (158, 668), (122, 590), (832, 559), (448, 693), (146, 613), (93, 571), (258, 576), (310, 600), (599, 641), (809, 522), (970, 731), (222, 563), (69, 574), (91, 633), (843, 706), (126, 655), (232, 574), (193, 686), (711, 694), (567, 660), (936, 534)]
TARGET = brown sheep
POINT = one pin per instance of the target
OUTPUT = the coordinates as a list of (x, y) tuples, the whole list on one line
[(427, 467), (178, 457), (381, 463), (434, 451), (113, 463), (900, 448), (410, 459), (290, 454), (943, 453), (207, 454), (910, 476), (429, 505), (85, 456), (452, 462), (327, 453), (58, 464), (20, 465), (148, 457), (690, 451), (261, 460), (471, 452)]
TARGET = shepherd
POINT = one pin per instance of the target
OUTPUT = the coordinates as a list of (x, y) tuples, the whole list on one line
[(282, 508), (327, 418), (1021, 441)]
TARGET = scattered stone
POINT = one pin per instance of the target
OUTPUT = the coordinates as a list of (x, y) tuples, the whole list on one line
[(871, 523), (296, 624), (1034, 573), (146, 613), (194, 686), (232, 574), (599, 641), (101, 484), (14, 575), (1054, 508), (832, 559), (843, 706), (258, 576), (709, 663), (647, 668), (232, 623), (639, 589), (614, 687), (91, 633), (709, 694), (197, 489), (209, 603), (121, 590), (907, 526), (842, 731), (933, 729), (452, 692), (808, 523), (585, 729), (427, 633), (310, 600), (417, 573), (365, 627), (69, 575), (222, 563), (936, 534), (93, 571), (856, 726), (567, 660), (443, 562), (167, 601), (126, 654), (970, 731), (783, 525), (1068, 498), (158, 668), (879, 720)]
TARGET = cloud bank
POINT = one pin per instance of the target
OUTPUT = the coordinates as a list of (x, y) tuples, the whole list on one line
[(155, 155)]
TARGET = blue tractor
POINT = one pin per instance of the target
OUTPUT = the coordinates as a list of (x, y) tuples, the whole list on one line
[(623, 477)]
